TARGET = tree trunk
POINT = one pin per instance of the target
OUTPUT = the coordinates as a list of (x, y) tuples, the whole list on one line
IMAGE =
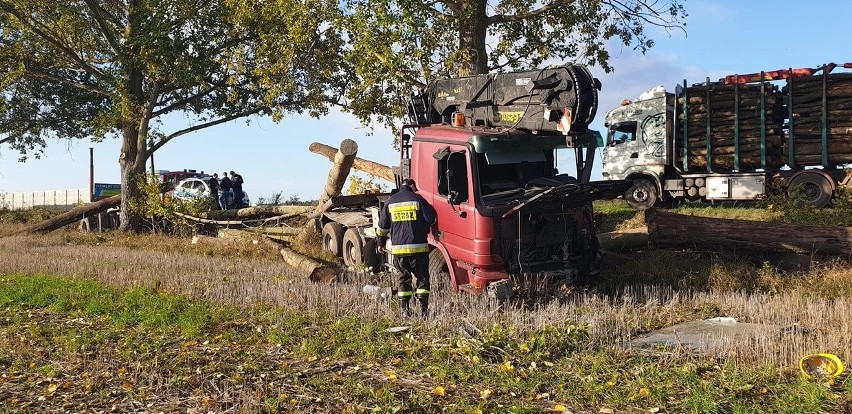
[(472, 58), (257, 211), (317, 272), (73, 215), (677, 230), (360, 164), (343, 161)]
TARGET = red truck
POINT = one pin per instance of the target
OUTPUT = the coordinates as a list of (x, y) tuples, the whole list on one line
[(483, 151)]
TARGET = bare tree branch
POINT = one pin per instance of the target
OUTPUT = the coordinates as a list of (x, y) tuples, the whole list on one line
[(176, 134), (96, 10), (506, 18)]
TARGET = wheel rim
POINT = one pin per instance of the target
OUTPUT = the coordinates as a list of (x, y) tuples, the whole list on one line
[(811, 191), (640, 195)]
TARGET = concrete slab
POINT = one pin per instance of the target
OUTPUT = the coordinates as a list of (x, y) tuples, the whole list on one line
[(701, 334)]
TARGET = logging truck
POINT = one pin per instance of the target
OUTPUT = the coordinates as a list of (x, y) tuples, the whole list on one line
[(739, 138), (483, 152)]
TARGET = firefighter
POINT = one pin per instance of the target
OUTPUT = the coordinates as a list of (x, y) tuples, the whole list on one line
[(407, 218)]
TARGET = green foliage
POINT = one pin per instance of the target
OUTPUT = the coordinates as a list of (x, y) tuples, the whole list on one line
[(94, 70), (25, 216), (397, 46), (794, 208), (159, 209)]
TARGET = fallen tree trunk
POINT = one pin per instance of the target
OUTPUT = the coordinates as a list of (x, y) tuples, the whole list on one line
[(342, 164), (317, 272), (73, 215), (373, 168), (257, 211), (678, 230)]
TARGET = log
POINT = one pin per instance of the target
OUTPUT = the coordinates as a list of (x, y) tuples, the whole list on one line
[(73, 215), (678, 230), (257, 211), (341, 165), (317, 272), (370, 167)]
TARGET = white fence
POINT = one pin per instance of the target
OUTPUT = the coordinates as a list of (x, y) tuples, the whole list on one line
[(49, 198)]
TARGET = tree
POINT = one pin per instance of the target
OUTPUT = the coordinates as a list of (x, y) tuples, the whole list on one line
[(397, 45), (79, 69)]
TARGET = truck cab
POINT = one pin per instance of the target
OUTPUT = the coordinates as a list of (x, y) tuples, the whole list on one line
[(502, 206)]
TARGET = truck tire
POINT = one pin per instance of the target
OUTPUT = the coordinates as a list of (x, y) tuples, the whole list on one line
[(353, 248), (816, 189), (87, 224), (371, 256), (439, 272), (642, 195), (332, 238), (114, 219)]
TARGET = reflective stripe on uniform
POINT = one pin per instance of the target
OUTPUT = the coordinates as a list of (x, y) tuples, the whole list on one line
[(405, 293), (382, 232), (403, 211), (404, 206), (421, 292), (410, 248)]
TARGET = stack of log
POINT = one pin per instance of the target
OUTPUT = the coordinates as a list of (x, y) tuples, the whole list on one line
[(723, 111), (807, 118)]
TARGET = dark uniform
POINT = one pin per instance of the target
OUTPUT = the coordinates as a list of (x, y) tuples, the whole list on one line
[(214, 189), (225, 197), (407, 217)]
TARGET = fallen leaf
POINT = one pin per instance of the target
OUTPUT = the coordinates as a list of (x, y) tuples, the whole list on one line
[(390, 375), (654, 410), (396, 329), (439, 391), (484, 394), (52, 388), (606, 411), (559, 408), (644, 392), (312, 358), (506, 367)]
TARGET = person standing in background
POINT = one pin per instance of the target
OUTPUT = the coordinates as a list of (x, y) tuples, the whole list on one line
[(225, 186), (237, 188), (213, 183)]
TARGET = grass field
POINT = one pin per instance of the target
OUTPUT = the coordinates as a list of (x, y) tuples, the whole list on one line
[(151, 323)]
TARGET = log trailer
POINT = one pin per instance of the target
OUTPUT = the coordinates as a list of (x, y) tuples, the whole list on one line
[(482, 151), (736, 139)]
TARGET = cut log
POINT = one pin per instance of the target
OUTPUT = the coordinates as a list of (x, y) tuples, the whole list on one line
[(340, 168), (678, 230), (317, 272), (370, 167), (73, 215), (257, 211)]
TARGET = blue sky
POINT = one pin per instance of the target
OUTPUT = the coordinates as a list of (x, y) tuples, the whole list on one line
[(723, 37)]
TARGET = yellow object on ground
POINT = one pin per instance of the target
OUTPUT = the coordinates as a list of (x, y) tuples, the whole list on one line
[(821, 365)]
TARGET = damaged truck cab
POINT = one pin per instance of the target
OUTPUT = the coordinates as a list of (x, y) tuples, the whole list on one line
[(483, 152)]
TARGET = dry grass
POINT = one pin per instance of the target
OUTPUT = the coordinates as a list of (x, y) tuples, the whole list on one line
[(816, 303)]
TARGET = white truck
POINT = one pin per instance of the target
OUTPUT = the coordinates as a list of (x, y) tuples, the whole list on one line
[(736, 139)]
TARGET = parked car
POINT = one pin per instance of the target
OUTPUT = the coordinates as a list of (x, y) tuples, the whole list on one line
[(191, 188)]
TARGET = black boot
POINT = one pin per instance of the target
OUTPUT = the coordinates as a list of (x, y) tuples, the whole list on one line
[(423, 301), (404, 307)]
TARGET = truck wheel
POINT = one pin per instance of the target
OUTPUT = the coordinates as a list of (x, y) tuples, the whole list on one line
[(816, 189), (439, 272), (87, 224), (642, 195), (332, 238), (353, 248), (371, 256)]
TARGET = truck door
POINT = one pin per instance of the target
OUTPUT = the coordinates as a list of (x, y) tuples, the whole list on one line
[(453, 202), (622, 152)]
